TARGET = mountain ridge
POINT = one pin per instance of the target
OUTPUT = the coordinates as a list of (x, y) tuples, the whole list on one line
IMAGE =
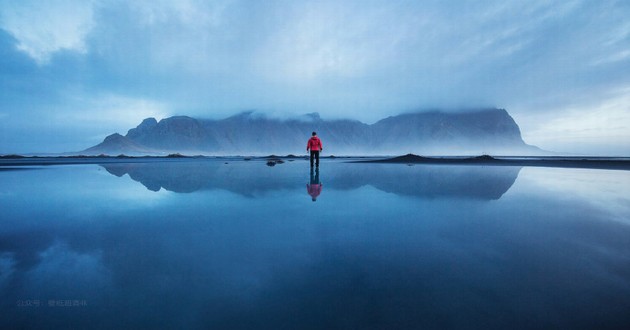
[(485, 131)]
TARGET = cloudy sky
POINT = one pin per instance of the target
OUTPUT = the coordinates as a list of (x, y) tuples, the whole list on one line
[(75, 71)]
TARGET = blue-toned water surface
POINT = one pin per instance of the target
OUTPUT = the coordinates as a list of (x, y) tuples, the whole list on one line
[(234, 244)]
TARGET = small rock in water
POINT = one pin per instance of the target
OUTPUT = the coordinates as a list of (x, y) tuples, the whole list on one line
[(484, 157), (271, 163)]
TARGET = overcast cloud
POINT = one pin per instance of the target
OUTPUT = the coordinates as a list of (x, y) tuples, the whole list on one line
[(74, 71)]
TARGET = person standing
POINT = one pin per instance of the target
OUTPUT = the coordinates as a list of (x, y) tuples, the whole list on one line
[(314, 145)]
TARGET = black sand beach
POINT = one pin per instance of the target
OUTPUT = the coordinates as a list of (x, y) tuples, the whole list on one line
[(605, 163)]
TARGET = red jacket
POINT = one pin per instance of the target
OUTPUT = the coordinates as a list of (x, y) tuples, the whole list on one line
[(314, 190), (314, 144)]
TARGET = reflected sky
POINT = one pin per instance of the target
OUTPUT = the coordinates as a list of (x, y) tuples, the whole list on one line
[(242, 245)]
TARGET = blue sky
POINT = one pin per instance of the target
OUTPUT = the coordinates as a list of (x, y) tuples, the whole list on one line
[(75, 71)]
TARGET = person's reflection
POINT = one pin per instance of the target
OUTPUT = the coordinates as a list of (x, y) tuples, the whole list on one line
[(315, 187)]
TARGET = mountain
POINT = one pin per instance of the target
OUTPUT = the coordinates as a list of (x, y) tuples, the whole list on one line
[(487, 131), (117, 142)]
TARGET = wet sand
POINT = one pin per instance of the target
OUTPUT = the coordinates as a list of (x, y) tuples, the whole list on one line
[(607, 163)]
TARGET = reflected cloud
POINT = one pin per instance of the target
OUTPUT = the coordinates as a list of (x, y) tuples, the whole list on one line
[(60, 264), (250, 179), (606, 190), (7, 264)]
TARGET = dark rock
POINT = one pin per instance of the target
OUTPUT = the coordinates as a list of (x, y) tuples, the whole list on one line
[(408, 158), (483, 157)]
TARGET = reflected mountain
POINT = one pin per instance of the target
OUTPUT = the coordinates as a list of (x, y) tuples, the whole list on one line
[(252, 178), (243, 178), (468, 182)]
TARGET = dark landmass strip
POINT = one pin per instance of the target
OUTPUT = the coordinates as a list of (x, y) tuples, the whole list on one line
[(19, 160), (415, 159), (11, 156), (607, 163), (567, 162)]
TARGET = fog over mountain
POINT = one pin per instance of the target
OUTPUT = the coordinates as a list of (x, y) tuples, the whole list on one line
[(486, 131)]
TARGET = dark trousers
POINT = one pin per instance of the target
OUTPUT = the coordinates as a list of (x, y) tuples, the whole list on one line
[(315, 156)]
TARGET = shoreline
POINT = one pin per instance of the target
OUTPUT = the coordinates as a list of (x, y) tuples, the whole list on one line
[(605, 163)]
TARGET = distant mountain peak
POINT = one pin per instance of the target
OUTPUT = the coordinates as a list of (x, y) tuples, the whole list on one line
[(178, 118), (146, 125), (116, 144), (149, 122), (113, 137)]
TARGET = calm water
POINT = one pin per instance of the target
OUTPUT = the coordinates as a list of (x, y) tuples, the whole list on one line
[(204, 244)]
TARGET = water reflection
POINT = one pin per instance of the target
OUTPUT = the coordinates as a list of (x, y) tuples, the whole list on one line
[(247, 179), (218, 258), (314, 187)]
